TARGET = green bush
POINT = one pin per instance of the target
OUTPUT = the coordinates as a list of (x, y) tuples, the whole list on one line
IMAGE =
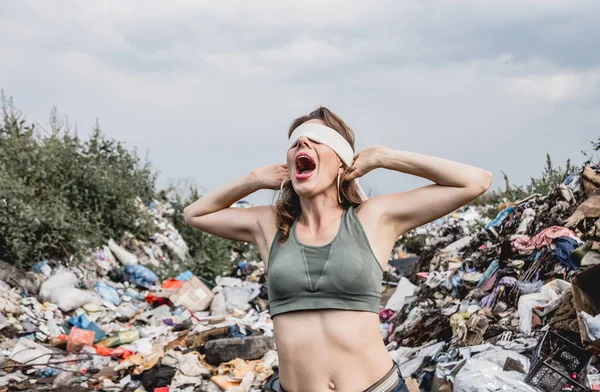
[(61, 195), (550, 178)]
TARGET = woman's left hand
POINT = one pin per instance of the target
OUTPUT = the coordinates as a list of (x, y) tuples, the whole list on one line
[(365, 161)]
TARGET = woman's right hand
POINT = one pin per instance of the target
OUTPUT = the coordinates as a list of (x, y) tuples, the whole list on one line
[(271, 176)]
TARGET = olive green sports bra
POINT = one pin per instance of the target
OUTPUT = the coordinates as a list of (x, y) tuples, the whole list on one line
[(343, 274)]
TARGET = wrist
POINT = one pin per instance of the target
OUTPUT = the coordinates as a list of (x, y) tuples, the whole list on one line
[(253, 182), (382, 157)]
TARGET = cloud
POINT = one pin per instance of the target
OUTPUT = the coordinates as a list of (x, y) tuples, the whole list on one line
[(559, 87), (209, 88)]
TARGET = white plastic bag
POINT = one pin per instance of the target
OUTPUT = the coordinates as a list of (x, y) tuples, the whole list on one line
[(484, 372), (549, 295), (60, 289), (126, 258), (239, 297), (61, 278), (413, 361), (398, 299), (218, 306), (592, 325)]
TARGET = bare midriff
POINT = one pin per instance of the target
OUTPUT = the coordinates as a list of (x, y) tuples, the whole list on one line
[(325, 350)]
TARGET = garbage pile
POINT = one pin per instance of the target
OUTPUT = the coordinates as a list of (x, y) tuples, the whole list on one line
[(511, 303), (108, 323)]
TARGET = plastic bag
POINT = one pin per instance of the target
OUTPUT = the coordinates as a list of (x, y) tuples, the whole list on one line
[(107, 292), (218, 306), (172, 284), (185, 276), (61, 278), (499, 220), (228, 281), (60, 289), (70, 299), (592, 325), (530, 287), (78, 338), (239, 297), (484, 372), (548, 296), (404, 289), (141, 275), (126, 258), (81, 321), (42, 267), (411, 363)]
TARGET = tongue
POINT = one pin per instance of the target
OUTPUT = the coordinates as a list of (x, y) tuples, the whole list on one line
[(305, 165)]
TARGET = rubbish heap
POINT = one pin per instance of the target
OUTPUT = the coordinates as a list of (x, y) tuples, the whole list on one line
[(108, 323), (511, 303)]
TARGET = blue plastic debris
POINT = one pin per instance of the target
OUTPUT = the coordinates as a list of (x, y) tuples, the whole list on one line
[(141, 276), (499, 219), (42, 267), (107, 292), (82, 322), (185, 276)]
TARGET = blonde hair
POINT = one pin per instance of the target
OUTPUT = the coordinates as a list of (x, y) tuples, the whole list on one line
[(287, 208)]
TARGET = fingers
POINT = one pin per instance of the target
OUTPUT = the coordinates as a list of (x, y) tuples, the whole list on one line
[(351, 175)]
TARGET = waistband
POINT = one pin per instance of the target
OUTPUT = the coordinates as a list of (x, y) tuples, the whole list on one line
[(386, 384)]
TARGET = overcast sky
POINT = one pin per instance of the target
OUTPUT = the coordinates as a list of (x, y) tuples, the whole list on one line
[(209, 88)]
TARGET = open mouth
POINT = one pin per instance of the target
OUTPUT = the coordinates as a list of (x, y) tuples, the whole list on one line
[(304, 166)]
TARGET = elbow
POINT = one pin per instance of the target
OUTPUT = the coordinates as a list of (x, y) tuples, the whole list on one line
[(485, 182), (480, 184), (187, 215)]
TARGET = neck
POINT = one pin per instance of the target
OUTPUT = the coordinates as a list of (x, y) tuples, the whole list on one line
[(319, 210)]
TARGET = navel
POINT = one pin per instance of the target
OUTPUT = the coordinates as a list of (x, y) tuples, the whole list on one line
[(331, 385)]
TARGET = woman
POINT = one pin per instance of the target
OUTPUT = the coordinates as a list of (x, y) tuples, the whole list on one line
[(325, 246)]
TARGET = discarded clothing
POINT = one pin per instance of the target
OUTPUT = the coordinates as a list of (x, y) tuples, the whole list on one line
[(490, 299), (564, 249), (544, 238)]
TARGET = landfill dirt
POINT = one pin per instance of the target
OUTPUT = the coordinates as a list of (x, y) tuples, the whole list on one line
[(509, 303)]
